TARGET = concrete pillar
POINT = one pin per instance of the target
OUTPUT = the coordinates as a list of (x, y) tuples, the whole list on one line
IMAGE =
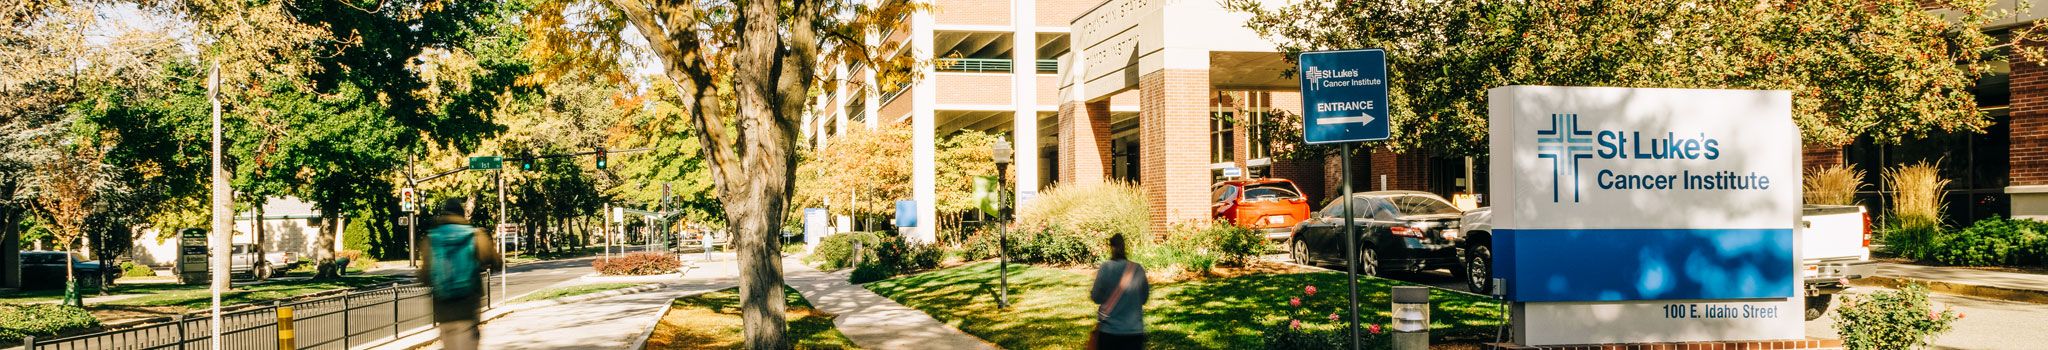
[(1024, 96), (839, 98), (924, 124), (871, 99), (1173, 146), (1084, 142)]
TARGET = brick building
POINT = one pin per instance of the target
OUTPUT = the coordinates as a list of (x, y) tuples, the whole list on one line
[(1146, 91)]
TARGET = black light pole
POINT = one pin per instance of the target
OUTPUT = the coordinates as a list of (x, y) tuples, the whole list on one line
[(1001, 152)]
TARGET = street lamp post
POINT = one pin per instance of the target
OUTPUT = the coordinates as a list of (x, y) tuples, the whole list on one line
[(1001, 152)]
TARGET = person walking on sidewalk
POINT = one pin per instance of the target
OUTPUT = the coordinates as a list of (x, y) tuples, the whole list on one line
[(1121, 291), (456, 258)]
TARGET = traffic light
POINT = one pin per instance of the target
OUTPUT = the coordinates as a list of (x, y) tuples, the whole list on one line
[(527, 161), (600, 158)]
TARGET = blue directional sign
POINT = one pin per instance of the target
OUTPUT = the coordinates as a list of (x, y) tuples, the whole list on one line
[(1344, 96)]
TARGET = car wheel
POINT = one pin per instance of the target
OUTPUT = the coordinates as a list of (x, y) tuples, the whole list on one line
[(1368, 262), (263, 273), (1817, 305), (1299, 253), (1478, 269)]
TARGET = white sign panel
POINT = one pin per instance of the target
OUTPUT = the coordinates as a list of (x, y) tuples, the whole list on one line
[(1646, 215)]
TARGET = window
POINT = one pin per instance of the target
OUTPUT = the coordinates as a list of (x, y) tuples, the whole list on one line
[(1422, 205), (1271, 191), (1225, 193), (1222, 136)]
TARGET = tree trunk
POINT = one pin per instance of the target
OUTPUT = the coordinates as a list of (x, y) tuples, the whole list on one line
[(256, 226), (328, 270)]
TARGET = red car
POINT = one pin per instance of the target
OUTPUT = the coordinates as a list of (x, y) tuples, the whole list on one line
[(1271, 206)]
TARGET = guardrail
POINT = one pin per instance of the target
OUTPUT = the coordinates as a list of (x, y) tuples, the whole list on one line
[(349, 320), (974, 65)]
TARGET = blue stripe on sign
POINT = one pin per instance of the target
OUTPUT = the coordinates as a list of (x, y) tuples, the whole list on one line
[(1644, 264)]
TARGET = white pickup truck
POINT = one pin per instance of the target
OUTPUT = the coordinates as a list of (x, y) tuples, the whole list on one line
[(1835, 245)]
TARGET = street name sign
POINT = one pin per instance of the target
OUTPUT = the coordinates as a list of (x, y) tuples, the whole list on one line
[(486, 163), (1626, 215), (1344, 96)]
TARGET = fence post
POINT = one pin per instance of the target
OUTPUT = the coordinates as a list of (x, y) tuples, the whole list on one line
[(286, 340), (28, 343), (394, 311), (345, 324), (180, 319)]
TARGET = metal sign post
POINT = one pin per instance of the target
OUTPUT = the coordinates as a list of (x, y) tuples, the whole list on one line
[(1344, 101)]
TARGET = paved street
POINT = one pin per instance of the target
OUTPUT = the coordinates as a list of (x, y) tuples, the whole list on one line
[(529, 277), (1988, 324)]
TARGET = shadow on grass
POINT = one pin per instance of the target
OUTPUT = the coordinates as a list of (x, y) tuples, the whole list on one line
[(1051, 310)]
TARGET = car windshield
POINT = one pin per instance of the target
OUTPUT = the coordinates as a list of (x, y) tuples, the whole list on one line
[(1270, 191), (1422, 205)]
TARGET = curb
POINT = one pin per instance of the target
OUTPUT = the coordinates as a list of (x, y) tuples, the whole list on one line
[(1988, 292)]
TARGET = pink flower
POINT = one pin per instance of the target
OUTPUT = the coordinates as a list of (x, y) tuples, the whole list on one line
[(1296, 324), (1311, 290), (1333, 317), (1294, 301), (1931, 315), (1375, 328)]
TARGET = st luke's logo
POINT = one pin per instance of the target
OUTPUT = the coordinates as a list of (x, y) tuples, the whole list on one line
[(1564, 145)]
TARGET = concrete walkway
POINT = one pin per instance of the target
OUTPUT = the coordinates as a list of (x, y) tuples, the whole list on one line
[(870, 320), (604, 323)]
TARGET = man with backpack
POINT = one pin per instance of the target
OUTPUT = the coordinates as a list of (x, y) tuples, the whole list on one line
[(456, 257)]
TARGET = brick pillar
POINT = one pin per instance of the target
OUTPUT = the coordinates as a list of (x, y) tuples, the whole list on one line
[(1084, 142), (1306, 174), (1822, 156), (1404, 171), (1362, 179), (2029, 140), (1173, 145)]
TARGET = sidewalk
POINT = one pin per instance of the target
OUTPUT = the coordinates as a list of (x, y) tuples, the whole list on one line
[(608, 323), (873, 321), (2002, 285)]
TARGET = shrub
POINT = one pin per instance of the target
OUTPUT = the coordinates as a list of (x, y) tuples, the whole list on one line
[(1916, 208), (1892, 319), (1993, 242), (867, 272), (1833, 185), (1054, 245), (1100, 208), (130, 269), (834, 251), (42, 320), (638, 264)]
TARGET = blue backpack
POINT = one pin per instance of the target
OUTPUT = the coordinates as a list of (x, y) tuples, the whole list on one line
[(454, 269)]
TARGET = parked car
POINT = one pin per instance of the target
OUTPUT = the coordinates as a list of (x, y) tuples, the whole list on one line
[(1397, 231), (1270, 206), (242, 262), (45, 269), (1834, 244)]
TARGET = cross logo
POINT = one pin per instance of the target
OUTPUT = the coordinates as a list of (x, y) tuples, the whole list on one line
[(1564, 147)]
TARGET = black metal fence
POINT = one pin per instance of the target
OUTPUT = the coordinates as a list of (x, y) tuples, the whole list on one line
[(348, 320)]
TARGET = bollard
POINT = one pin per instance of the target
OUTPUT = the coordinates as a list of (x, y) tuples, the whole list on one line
[(1411, 318), (284, 329)]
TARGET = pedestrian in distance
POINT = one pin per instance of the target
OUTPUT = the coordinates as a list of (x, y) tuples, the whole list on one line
[(1120, 291), (457, 256)]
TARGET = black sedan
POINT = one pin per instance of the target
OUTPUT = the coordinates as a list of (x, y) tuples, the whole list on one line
[(1397, 231), (45, 270)]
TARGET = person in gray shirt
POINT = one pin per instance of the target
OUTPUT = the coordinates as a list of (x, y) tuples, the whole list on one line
[(1120, 292)]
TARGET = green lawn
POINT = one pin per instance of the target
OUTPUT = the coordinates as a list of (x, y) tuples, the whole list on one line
[(42, 295), (570, 291), (712, 321), (1051, 310), (199, 297)]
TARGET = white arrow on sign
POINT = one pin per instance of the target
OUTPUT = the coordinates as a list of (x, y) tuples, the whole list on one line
[(1361, 119)]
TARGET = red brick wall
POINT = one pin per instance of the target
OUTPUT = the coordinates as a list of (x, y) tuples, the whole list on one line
[(1404, 171), (1173, 152), (1306, 174), (2029, 134), (1084, 142), (1061, 13), (1333, 176), (978, 12), (1823, 156)]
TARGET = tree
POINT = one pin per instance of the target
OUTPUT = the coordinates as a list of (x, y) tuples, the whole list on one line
[(764, 54), (68, 192), (1887, 69), (860, 173)]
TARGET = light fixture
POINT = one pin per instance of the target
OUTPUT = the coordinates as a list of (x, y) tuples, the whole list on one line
[(1411, 317)]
